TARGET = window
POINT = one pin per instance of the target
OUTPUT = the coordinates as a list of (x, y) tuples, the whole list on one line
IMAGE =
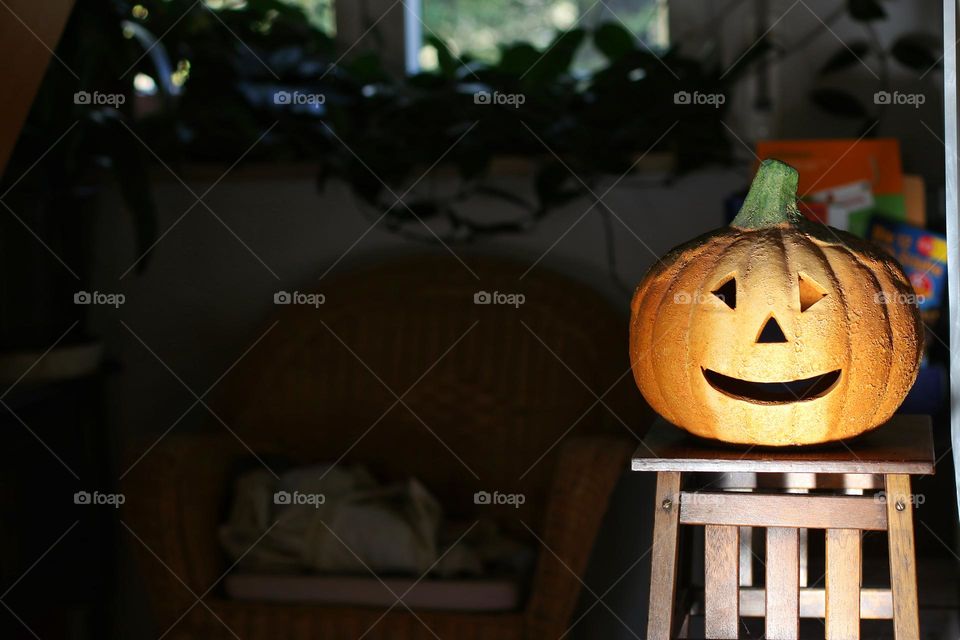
[(319, 12), (480, 27)]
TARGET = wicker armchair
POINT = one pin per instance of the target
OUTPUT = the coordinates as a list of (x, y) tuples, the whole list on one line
[(497, 411)]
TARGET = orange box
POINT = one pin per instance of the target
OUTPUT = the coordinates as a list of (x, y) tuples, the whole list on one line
[(840, 161)]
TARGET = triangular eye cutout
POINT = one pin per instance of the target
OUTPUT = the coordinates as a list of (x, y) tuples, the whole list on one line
[(771, 332), (810, 292), (727, 292)]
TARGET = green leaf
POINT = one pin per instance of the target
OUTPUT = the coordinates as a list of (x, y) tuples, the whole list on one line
[(517, 59), (866, 10), (914, 52), (839, 103), (613, 40), (446, 61), (557, 57), (845, 57)]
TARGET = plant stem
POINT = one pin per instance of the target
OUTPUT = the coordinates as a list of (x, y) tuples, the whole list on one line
[(772, 199)]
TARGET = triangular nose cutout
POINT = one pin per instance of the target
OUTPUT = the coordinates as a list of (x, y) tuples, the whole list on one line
[(771, 332)]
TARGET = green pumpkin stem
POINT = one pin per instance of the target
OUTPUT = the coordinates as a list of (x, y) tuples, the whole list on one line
[(772, 199)]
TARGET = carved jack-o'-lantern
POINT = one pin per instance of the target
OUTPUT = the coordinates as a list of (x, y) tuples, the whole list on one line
[(775, 330)]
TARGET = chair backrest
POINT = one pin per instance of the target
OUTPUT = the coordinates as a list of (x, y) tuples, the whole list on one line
[(486, 391)]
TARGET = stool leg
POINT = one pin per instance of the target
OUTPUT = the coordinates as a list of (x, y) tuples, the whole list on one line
[(721, 585), (842, 599), (783, 584), (663, 559), (903, 571)]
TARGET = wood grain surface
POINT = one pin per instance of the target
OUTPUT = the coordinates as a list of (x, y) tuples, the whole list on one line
[(903, 571), (799, 510), (663, 558), (722, 581), (843, 584), (783, 584), (875, 604), (902, 445)]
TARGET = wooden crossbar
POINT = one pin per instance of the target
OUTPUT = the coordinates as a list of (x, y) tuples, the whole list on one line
[(875, 604), (792, 511)]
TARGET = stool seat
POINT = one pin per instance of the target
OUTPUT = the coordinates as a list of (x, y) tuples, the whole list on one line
[(769, 489), (904, 444)]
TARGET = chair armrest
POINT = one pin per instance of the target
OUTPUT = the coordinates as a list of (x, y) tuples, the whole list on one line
[(175, 499), (587, 471)]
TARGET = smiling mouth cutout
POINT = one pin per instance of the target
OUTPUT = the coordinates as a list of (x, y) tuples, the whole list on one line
[(773, 392)]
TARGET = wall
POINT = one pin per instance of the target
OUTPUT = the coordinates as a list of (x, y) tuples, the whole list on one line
[(204, 293)]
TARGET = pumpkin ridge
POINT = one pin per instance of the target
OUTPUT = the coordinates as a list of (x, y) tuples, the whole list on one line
[(683, 260), (786, 256), (659, 310), (899, 283), (844, 303), (686, 344), (886, 317), (677, 264), (730, 246)]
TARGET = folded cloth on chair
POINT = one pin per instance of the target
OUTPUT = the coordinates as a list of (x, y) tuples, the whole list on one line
[(333, 519)]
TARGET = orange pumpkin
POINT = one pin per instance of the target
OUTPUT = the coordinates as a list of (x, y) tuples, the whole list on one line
[(775, 330)]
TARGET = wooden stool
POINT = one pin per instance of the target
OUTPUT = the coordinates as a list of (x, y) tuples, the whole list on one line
[(884, 458)]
